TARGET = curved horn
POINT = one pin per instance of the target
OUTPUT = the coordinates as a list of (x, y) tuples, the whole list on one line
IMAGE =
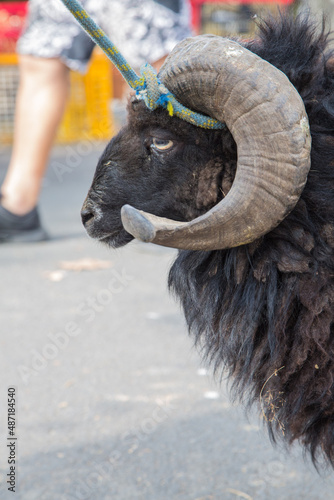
[(268, 121)]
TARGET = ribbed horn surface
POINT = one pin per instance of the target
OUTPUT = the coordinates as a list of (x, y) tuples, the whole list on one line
[(268, 121)]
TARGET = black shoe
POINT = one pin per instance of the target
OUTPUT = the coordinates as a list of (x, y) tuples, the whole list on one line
[(21, 228)]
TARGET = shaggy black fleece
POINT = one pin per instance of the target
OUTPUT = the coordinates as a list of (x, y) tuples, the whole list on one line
[(264, 312)]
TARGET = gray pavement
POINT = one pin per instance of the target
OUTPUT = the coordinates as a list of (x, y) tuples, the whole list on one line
[(112, 399)]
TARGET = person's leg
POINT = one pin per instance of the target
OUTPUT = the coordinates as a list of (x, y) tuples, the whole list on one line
[(43, 91)]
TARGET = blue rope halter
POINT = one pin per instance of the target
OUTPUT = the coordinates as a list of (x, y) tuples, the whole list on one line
[(147, 86)]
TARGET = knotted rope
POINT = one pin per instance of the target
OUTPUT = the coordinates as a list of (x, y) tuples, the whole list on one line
[(147, 86)]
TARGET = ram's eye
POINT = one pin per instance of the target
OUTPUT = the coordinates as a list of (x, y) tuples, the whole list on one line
[(161, 144)]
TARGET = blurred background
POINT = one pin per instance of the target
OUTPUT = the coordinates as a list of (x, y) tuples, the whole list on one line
[(91, 95)]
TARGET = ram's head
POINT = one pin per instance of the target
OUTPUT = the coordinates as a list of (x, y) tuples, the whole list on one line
[(166, 181)]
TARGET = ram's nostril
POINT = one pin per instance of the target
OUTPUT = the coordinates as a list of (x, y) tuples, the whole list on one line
[(86, 215)]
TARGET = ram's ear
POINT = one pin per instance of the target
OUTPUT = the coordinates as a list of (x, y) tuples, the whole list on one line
[(208, 185), (267, 119)]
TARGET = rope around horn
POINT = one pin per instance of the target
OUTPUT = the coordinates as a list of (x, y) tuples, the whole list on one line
[(147, 86)]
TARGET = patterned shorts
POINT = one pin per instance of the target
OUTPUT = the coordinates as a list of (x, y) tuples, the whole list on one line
[(143, 30)]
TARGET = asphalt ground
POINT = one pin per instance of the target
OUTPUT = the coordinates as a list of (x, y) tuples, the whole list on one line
[(111, 398)]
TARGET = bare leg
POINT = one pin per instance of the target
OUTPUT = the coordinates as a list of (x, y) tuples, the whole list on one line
[(43, 91)]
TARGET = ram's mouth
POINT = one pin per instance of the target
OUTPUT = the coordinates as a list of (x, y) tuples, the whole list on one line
[(116, 240), (104, 227)]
